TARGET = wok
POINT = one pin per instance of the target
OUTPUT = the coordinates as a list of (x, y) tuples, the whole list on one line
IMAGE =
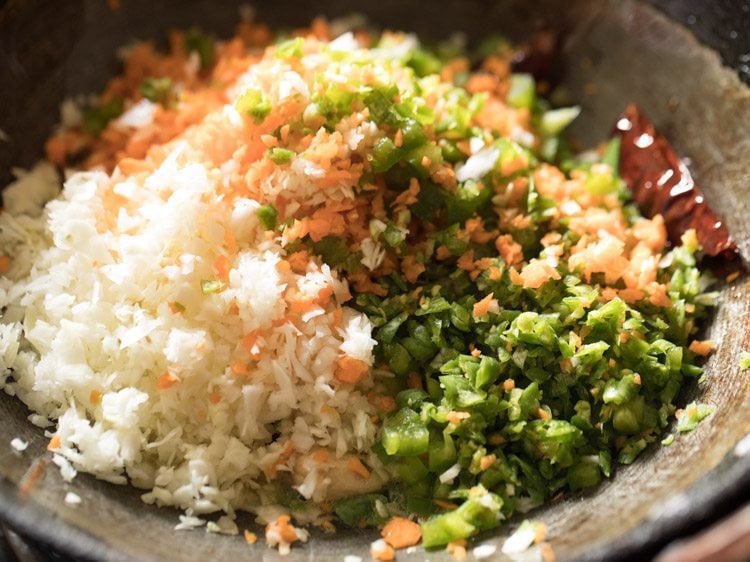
[(613, 53)]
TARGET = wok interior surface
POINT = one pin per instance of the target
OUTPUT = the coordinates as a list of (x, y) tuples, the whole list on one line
[(617, 52)]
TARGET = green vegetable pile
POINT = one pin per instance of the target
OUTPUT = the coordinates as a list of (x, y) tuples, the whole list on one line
[(541, 395)]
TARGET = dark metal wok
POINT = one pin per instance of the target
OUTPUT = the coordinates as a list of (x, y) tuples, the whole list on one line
[(627, 50)]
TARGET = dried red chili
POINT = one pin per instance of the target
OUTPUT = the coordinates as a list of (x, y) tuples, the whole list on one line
[(662, 184)]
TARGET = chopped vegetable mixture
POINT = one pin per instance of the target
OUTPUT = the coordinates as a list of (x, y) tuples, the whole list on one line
[(533, 329)]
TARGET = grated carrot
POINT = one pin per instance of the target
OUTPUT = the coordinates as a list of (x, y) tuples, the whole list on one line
[(412, 268), (230, 242), (355, 465), (176, 308), (381, 550), (414, 380), (351, 370), (214, 397), (457, 549), (239, 368), (324, 295), (250, 538), (457, 417), (286, 531), (222, 267), (443, 504), (485, 305), (321, 456), (387, 404), (398, 138), (32, 476), (95, 396), (487, 461), (4, 264), (400, 532), (166, 380), (298, 261), (54, 443), (702, 348)]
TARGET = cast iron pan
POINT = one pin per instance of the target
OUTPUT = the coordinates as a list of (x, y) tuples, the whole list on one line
[(614, 53)]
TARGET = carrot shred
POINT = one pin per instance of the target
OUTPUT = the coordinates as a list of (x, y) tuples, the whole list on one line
[(387, 404), (400, 532), (485, 305), (54, 443), (239, 368), (414, 380), (166, 380), (4, 264), (222, 267), (382, 551), (350, 370), (250, 538), (702, 348), (32, 476), (321, 456), (95, 396), (355, 465)]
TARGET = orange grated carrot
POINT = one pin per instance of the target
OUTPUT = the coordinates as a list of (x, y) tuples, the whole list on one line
[(487, 461), (214, 397), (239, 368), (54, 443), (355, 465), (299, 303), (351, 370), (485, 305), (321, 456), (230, 242), (176, 308), (222, 267), (285, 529), (543, 414), (269, 140), (95, 396), (32, 476), (250, 339), (496, 439), (443, 504), (298, 261), (414, 380), (324, 295), (398, 138), (457, 549), (337, 316), (4, 264), (457, 417), (508, 385), (412, 268), (250, 538), (702, 348), (387, 404), (400, 532), (166, 380), (382, 551)]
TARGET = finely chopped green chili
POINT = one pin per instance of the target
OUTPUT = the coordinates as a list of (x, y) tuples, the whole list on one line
[(548, 389)]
